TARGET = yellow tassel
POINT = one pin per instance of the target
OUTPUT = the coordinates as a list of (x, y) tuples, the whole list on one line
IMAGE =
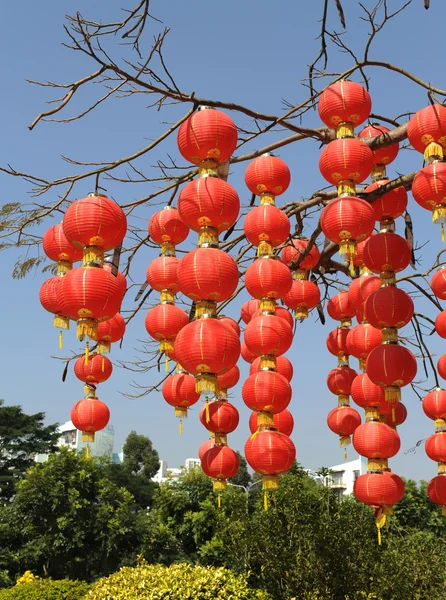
[(268, 361), (392, 393), (181, 427), (301, 313), (87, 451), (208, 416), (87, 352), (345, 454), (256, 432), (265, 419), (345, 130), (60, 340), (393, 412), (167, 363), (443, 511), (93, 254), (206, 382), (103, 364), (433, 151), (219, 500), (207, 235), (181, 412), (265, 500), (268, 305), (442, 232), (344, 441), (379, 536), (264, 249), (352, 267), (380, 521), (103, 347), (267, 198)]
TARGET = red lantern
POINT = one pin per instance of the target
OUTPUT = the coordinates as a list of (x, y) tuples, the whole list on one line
[(90, 415), (436, 490), (283, 366), (162, 275), (266, 225), (397, 416), (266, 391), (337, 341), (374, 439), (302, 297), (167, 229), (365, 393), (207, 348), (268, 278), (292, 253), (122, 281), (347, 159), (391, 366), (339, 307), (280, 312), (109, 332), (230, 323), (205, 446), (95, 221), (50, 299), (229, 379), (283, 422), (379, 489), (429, 190), (344, 102), (97, 370), (441, 366), (208, 202), (179, 391), (436, 447), (381, 156), (427, 131), (438, 283), (361, 288), (361, 340), (163, 323), (270, 452), (386, 252), (207, 274), (440, 324), (390, 205), (248, 309), (208, 134), (247, 355), (358, 257), (389, 307), (220, 462), (268, 334), (219, 417), (339, 380), (58, 248), (434, 404), (343, 420), (89, 295), (267, 174)]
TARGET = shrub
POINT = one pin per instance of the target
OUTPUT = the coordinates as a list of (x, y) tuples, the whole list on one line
[(46, 589), (177, 582)]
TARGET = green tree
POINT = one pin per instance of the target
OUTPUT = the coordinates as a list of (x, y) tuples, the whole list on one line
[(21, 437), (243, 476)]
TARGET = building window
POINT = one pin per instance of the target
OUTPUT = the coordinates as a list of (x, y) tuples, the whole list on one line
[(355, 475)]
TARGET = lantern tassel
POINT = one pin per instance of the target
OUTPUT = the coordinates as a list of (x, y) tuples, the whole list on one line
[(265, 501), (103, 364), (352, 267), (60, 339), (443, 511), (442, 232), (345, 454), (181, 426), (87, 451), (393, 412), (208, 416), (380, 521), (87, 352), (433, 151), (167, 362), (219, 500)]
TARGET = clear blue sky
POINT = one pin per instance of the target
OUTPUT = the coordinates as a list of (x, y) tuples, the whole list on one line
[(246, 52)]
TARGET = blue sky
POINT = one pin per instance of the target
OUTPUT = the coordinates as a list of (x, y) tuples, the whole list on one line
[(245, 52)]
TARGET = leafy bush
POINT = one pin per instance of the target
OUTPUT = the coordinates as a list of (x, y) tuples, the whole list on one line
[(177, 582), (46, 589)]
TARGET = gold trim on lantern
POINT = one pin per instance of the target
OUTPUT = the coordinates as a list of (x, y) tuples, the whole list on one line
[(167, 296), (264, 249), (61, 322), (342, 360), (222, 394), (267, 198), (87, 436), (387, 226), (343, 400), (93, 254), (392, 393), (205, 309), (372, 413), (441, 468), (440, 424), (439, 214), (347, 247), (220, 439), (300, 274), (219, 484), (180, 412), (346, 188), (207, 236), (344, 440), (208, 168), (270, 482), (345, 130), (362, 362), (268, 362), (167, 249), (346, 322), (103, 347), (363, 270), (388, 278), (88, 327), (300, 314), (433, 152), (63, 266), (377, 465), (268, 305), (265, 419), (378, 173), (166, 346), (389, 334), (206, 382), (90, 391)]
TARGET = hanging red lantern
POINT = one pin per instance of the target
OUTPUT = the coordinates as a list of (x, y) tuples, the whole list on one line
[(302, 297), (51, 300), (339, 307), (163, 323), (282, 421), (339, 380), (220, 463), (358, 258), (206, 348), (438, 283), (280, 312), (345, 160), (283, 366), (97, 370), (167, 229), (381, 156), (179, 391), (390, 205), (389, 307), (207, 274), (208, 202), (95, 222), (268, 278), (374, 439), (386, 252), (397, 416), (344, 102), (436, 447), (429, 191), (219, 417), (266, 226), (392, 367), (268, 334), (270, 453), (229, 379), (336, 342), (247, 355), (204, 447), (122, 281), (293, 251), (110, 332), (230, 323), (441, 366), (267, 174), (365, 393), (89, 295), (436, 490), (248, 309), (361, 288), (266, 391), (162, 276), (208, 134), (440, 324), (379, 489), (426, 131), (90, 415), (361, 340), (58, 248), (434, 404), (343, 420)]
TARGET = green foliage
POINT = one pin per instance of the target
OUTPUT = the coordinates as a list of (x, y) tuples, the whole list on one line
[(242, 476), (21, 436), (178, 582), (47, 589)]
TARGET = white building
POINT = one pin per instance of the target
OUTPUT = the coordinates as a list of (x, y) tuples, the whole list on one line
[(343, 476), (174, 474)]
